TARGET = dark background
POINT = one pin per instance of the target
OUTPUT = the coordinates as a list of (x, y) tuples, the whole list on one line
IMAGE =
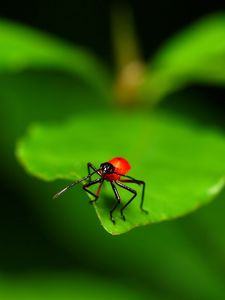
[(25, 245), (87, 22)]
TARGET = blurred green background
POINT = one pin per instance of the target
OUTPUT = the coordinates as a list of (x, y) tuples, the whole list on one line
[(59, 251)]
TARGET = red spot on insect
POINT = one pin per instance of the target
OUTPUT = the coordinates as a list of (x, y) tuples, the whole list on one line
[(121, 165)]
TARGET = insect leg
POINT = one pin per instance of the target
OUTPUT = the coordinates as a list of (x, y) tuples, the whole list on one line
[(140, 182), (90, 167), (131, 199), (87, 185), (117, 201)]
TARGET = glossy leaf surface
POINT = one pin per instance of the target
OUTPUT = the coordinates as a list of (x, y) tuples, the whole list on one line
[(182, 163)]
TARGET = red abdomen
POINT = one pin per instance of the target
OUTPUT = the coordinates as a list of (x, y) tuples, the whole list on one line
[(121, 165)]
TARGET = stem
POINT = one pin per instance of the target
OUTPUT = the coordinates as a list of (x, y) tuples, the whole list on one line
[(128, 59)]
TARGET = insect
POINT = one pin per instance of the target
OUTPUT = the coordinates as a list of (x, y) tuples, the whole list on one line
[(114, 171)]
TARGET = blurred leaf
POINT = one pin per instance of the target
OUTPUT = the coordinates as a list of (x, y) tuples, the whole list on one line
[(32, 96), (182, 164), (197, 54), (22, 47), (65, 286)]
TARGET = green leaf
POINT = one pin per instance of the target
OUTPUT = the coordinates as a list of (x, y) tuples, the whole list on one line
[(182, 163), (196, 54), (22, 47)]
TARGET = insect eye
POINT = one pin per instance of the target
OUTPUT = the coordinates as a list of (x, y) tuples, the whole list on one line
[(107, 168)]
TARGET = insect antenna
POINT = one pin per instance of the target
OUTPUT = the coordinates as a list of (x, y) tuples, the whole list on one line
[(72, 184)]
